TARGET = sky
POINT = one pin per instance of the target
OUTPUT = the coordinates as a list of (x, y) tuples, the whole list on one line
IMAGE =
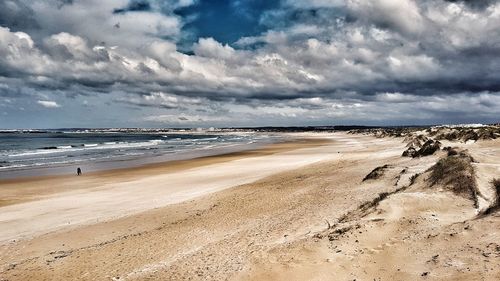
[(201, 63)]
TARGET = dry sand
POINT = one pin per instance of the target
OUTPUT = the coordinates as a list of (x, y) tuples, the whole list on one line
[(299, 212)]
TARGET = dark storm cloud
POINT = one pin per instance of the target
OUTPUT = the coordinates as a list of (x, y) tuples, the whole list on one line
[(17, 15), (480, 4)]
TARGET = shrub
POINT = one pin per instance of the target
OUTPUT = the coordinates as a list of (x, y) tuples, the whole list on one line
[(496, 203), (429, 147), (413, 178), (410, 152), (451, 151), (376, 173), (457, 174)]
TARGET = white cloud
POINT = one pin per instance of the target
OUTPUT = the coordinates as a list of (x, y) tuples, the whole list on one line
[(48, 104), (208, 47), (402, 14)]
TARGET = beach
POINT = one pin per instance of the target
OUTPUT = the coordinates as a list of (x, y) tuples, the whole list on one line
[(293, 140), (297, 210)]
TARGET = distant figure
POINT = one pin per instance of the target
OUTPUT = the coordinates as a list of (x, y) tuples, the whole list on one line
[(78, 171)]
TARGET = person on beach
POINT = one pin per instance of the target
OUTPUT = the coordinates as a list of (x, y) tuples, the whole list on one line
[(78, 171)]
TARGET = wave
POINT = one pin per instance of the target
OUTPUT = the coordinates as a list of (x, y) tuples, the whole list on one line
[(114, 149), (86, 147), (90, 144), (174, 139), (64, 162), (38, 152), (64, 147), (205, 139)]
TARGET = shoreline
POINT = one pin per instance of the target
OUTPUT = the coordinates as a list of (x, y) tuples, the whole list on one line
[(150, 168), (132, 162), (60, 202)]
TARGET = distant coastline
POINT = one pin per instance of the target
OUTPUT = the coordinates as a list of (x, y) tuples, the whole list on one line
[(200, 130)]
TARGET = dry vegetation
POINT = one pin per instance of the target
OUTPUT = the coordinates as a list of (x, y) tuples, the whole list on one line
[(438, 133), (496, 204), (376, 173), (451, 150), (413, 178), (429, 147), (455, 173), (386, 132), (465, 134), (414, 140)]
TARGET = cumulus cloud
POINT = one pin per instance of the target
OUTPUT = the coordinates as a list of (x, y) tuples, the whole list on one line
[(208, 47), (325, 61)]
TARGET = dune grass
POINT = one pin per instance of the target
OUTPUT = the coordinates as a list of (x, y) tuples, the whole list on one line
[(496, 203), (376, 173), (456, 173)]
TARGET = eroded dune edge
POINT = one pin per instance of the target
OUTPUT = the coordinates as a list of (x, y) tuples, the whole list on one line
[(350, 208)]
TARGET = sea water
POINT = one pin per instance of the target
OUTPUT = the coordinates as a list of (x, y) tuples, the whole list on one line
[(22, 150)]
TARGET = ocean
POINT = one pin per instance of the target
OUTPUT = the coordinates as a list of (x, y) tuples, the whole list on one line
[(42, 152)]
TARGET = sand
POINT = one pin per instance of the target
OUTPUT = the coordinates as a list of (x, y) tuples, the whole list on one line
[(300, 212)]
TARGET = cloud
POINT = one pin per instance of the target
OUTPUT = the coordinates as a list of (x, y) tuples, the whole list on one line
[(480, 4), (133, 6), (317, 61), (208, 47), (48, 104), (184, 119), (95, 20), (159, 99), (401, 15)]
